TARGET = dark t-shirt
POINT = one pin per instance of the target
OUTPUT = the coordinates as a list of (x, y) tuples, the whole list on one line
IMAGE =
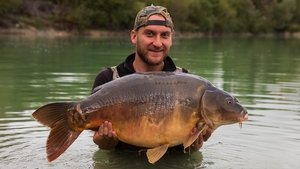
[(126, 68)]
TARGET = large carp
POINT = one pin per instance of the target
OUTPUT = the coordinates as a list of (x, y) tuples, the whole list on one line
[(155, 110)]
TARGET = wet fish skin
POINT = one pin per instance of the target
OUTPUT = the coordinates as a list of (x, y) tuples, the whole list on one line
[(155, 110)]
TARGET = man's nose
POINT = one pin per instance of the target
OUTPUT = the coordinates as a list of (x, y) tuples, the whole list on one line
[(157, 41)]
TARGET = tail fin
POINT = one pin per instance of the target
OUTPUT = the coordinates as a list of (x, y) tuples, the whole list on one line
[(61, 136)]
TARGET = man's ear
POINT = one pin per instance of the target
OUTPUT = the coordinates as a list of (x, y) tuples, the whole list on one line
[(133, 36)]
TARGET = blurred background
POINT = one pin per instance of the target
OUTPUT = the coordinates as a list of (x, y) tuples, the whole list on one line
[(211, 17)]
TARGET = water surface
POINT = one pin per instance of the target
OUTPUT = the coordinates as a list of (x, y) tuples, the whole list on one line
[(263, 73)]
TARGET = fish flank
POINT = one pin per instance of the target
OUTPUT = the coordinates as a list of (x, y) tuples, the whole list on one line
[(145, 109)]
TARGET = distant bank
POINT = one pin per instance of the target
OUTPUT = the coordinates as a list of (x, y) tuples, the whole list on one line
[(32, 32)]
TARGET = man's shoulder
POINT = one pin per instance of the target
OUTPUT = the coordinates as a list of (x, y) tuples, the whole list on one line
[(103, 77), (106, 73)]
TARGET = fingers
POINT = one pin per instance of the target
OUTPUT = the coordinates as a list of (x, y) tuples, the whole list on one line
[(207, 134), (203, 136), (194, 130), (106, 130), (200, 139), (106, 137), (197, 144)]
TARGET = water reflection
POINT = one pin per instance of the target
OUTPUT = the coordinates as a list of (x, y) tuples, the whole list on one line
[(133, 160)]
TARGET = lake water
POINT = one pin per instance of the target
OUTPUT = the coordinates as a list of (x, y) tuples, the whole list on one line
[(264, 74)]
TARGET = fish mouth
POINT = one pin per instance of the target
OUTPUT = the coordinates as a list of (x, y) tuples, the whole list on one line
[(244, 117)]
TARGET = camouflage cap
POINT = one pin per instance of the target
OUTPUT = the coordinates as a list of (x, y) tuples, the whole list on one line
[(142, 17)]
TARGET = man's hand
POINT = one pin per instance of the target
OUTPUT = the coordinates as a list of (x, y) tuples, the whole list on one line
[(106, 137), (207, 133), (204, 135)]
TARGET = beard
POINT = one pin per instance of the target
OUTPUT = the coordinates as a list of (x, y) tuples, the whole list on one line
[(143, 54)]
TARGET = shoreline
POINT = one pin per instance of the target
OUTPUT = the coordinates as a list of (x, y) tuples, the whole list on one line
[(53, 33), (102, 34)]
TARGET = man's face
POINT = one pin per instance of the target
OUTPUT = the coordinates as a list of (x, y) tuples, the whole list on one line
[(152, 42)]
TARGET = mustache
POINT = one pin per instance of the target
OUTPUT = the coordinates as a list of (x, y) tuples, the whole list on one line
[(154, 49)]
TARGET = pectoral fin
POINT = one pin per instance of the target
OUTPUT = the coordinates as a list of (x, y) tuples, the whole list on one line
[(156, 153), (192, 138)]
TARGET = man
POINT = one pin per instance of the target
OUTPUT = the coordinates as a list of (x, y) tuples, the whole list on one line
[(152, 36)]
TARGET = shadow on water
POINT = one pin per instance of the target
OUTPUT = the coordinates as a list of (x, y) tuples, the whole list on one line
[(134, 160)]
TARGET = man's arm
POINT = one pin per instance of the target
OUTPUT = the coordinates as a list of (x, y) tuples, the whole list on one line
[(105, 137)]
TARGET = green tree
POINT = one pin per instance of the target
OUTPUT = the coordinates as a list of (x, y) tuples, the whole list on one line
[(246, 17), (100, 14), (282, 14), (9, 6), (209, 16), (201, 15)]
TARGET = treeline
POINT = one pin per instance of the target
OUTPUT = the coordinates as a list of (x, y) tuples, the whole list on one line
[(208, 16)]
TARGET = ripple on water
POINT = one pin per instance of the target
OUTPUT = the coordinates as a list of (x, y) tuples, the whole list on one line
[(18, 133), (135, 160)]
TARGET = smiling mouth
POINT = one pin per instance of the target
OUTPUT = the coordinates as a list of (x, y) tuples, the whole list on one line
[(156, 50)]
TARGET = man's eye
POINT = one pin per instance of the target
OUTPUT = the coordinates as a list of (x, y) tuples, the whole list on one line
[(149, 34), (165, 35)]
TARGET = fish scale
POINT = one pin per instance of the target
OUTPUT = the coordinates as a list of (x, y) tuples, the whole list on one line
[(155, 110)]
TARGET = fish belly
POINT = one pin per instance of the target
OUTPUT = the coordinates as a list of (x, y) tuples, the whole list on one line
[(137, 126)]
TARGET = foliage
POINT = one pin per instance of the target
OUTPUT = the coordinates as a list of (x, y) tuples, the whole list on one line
[(209, 16), (89, 14), (9, 6)]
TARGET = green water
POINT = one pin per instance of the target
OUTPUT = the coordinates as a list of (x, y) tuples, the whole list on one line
[(263, 73)]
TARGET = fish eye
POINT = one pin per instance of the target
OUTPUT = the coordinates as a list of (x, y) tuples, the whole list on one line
[(229, 101)]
